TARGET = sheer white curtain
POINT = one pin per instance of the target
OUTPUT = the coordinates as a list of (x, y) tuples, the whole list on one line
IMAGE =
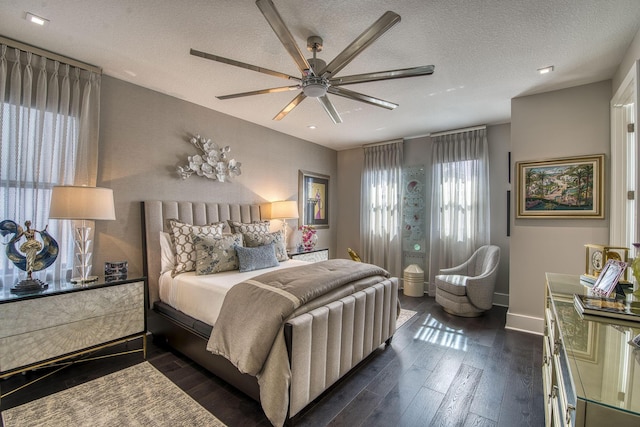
[(381, 213), (460, 199), (49, 120)]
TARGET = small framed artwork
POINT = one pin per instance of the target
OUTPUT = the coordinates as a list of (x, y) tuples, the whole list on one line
[(313, 199), (570, 187), (609, 277), (115, 270)]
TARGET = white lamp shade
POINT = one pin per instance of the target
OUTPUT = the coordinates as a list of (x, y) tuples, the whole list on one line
[(75, 202), (284, 209)]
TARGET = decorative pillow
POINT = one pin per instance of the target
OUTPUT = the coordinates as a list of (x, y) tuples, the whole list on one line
[(255, 229), (183, 243), (256, 258), (216, 254), (276, 238), (167, 256)]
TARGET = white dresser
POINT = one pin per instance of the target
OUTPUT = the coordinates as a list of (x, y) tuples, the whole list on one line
[(67, 319), (590, 374)]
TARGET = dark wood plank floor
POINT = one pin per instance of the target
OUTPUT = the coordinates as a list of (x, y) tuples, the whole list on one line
[(440, 370)]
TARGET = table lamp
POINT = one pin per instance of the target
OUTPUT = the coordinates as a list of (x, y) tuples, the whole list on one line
[(283, 210), (83, 204)]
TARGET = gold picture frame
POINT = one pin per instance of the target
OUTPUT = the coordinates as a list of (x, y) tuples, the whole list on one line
[(569, 187), (313, 199)]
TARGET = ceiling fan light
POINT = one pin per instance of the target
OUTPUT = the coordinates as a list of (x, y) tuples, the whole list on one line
[(315, 86), (315, 90)]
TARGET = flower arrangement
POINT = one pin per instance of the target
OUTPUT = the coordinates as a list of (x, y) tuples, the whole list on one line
[(309, 237), (212, 163)]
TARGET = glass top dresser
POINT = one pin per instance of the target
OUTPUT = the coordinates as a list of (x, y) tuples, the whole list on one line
[(591, 374)]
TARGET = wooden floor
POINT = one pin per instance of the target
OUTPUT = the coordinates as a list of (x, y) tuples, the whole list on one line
[(440, 370)]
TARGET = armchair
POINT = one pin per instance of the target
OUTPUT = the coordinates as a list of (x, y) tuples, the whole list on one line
[(467, 290)]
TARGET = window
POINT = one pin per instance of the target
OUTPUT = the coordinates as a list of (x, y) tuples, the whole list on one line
[(381, 216), (48, 136), (460, 198), (27, 176), (458, 201)]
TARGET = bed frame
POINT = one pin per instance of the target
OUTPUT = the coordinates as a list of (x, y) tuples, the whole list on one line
[(323, 344)]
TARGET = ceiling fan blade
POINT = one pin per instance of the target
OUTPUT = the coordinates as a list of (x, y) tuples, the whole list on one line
[(362, 98), (259, 92), (274, 19), (293, 104), (424, 70), (371, 34), (330, 109), (242, 65)]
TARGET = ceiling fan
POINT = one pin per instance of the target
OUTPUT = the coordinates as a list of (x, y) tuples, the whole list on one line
[(317, 77)]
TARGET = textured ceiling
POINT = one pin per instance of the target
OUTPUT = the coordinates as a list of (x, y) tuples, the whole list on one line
[(485, 53)]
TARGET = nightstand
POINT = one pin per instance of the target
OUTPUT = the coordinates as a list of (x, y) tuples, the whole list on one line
[(68, 320), (314, 255)]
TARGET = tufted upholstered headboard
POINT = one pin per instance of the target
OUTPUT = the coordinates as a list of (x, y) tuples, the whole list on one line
[(156, 213)]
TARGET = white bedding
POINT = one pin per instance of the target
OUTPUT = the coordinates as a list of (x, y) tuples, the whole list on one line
[(201, 296)]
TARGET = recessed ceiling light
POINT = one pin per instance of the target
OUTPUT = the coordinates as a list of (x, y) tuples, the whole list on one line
[(545, 70), (311, 126), (36, 19)]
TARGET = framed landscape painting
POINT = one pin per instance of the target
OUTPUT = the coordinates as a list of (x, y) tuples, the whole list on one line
[(570, 187), (313, 199)]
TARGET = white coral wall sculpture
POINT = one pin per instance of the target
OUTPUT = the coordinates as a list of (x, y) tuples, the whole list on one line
[(213, 162)]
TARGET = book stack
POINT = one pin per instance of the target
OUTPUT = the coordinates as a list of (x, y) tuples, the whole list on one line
[(597, 307)]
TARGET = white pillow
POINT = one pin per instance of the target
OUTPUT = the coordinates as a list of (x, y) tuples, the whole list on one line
[(167, 255)]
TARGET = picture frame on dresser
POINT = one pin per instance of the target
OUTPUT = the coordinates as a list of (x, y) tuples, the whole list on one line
[(313, 199), (609, 277)]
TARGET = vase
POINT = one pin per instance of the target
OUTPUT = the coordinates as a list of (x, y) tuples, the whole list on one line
[(309, 241)]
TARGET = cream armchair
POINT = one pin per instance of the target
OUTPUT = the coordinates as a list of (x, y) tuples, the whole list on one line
[(467, 290)]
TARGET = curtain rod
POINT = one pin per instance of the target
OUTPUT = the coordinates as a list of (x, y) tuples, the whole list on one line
[(50, 55), (449, 132), (375, 144)]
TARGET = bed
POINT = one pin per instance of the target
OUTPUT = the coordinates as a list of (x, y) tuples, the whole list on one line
[(320, 341)]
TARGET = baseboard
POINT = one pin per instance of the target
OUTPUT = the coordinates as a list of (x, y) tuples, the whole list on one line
[(528, 324), (501, 300)]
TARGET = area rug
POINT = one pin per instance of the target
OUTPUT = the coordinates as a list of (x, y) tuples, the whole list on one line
[(137, 396), (404, 316)]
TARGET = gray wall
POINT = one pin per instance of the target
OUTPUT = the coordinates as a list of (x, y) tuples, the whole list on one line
[(417, 152), (562, 123), (630, 57), (144, 136)]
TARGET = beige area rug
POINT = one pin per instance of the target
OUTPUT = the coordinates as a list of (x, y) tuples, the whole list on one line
[(137, 396), (404, 316)]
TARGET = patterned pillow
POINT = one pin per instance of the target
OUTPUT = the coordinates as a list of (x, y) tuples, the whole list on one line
[(276, 238), (256, 258), (183, 243), (255, 229), (216, 254)]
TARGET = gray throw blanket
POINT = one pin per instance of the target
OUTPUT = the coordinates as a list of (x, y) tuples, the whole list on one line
[(254, 311)]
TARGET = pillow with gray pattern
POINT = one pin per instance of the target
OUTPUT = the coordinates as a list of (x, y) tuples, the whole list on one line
[(216, 254), (276, 238), (183, 243), (255, 229)]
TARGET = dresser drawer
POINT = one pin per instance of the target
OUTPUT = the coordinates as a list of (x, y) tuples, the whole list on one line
[(312, 256), (39, 329)]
